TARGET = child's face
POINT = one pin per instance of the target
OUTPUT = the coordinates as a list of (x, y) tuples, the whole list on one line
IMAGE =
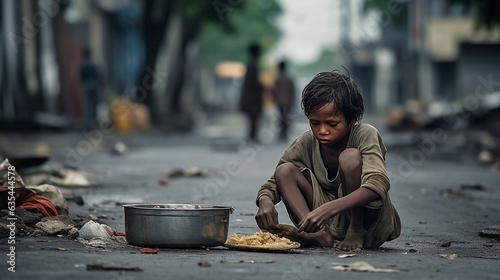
[(328, 125)]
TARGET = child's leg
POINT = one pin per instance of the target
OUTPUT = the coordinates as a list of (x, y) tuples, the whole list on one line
[(253, 130), (295, 190), (297, 195), (350, 165)]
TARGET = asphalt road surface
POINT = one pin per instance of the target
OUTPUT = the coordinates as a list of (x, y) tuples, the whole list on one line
[(434, 188)]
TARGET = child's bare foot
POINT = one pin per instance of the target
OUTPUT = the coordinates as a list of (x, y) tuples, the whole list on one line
[(322, 238), (353, 240)]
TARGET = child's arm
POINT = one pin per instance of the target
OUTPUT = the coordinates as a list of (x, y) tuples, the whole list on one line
[(267, 216), (268, 195), (318, 218)]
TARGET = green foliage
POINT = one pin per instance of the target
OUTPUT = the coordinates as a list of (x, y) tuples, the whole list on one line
[(236, 26), (396, 9), (197, 14)]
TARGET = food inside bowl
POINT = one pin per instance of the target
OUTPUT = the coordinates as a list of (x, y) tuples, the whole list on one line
[(262, 239)]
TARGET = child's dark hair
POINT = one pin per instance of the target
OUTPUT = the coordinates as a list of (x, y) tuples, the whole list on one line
[(326, 87)]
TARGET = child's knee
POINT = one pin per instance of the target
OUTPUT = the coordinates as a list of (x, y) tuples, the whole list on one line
[(350, 160), (285, 169)]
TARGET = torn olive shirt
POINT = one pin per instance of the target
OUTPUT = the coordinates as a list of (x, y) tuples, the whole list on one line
[(304, 152)]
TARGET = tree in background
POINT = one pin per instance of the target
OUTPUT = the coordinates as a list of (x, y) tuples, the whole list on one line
[(221, 28), (252, 23)]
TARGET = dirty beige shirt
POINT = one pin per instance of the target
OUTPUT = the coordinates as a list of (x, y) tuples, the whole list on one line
[(304, 153)]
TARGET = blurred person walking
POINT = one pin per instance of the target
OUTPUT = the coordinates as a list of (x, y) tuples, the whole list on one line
[(91, 78), (251, 93), (284, 95)]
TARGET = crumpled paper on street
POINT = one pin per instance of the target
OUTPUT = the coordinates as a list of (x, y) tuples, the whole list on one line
[(93, 229), (100, 236), (362, 266)]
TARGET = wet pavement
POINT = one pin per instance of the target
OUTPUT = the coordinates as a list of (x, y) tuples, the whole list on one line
[(431, 188)]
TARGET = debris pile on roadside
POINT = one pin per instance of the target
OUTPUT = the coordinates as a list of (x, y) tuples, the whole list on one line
[(456, 127), (39, 208)]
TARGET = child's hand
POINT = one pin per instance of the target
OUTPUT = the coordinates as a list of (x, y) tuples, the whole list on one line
[(316, 219), (267, 216)]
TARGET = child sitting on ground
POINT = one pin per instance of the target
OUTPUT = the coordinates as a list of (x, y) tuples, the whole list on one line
[(332, 178)]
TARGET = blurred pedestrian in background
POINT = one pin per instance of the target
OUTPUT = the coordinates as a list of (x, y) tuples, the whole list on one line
[(251, 92), (91, 78), (284, 96)]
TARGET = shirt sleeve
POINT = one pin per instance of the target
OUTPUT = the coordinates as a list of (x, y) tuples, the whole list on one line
[(374, 173), (296, 153)]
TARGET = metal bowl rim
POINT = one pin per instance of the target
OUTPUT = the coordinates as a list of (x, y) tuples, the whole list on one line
[(205, 207)]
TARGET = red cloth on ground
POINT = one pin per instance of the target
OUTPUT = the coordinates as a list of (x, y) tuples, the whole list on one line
[(28, 200)]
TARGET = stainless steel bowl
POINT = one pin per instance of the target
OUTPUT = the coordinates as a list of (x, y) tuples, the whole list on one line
[(176, 225)]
